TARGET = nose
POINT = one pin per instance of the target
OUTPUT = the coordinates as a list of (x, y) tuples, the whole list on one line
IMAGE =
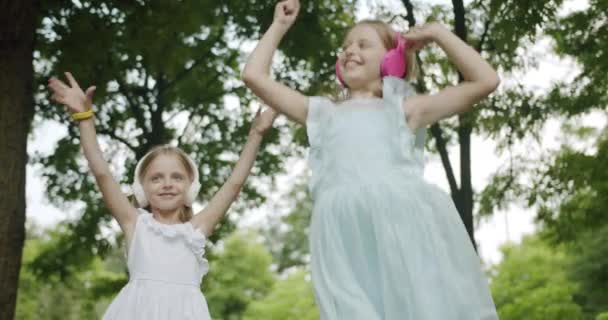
[(349, 51), (167, 184)]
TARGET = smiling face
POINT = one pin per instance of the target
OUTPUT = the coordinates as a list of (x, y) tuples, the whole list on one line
[(362, 54), (166, 180)]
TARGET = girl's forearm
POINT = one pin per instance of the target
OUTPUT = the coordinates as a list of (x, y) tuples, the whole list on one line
[(468, 61), (91, 149), (223, 199), (242, 169), (260, 59)]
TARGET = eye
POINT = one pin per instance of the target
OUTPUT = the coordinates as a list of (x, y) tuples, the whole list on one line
[(155, 179)]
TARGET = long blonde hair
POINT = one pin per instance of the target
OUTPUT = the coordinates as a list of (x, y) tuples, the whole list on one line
[(185, 213), (387, 36)]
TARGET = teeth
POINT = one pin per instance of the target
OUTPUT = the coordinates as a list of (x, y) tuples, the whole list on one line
[(351, 63)]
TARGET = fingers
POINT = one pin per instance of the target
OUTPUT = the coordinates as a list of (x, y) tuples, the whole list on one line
[(89, 94), (289, 7), (58, 90), (71, 80), (271, 114), (57, 85), (57, 98), (295, 5)]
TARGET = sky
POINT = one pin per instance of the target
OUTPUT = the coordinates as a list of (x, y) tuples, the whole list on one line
[(505, 226)]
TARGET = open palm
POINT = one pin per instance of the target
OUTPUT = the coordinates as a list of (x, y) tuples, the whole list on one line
[(71, 95)]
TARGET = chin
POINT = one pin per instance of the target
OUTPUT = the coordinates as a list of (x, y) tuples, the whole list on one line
[(169, 206)]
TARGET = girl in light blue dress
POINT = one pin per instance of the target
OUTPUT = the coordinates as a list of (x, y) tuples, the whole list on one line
[(385, 244)]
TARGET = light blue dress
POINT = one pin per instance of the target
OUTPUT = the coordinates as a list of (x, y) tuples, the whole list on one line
[(385, 243)]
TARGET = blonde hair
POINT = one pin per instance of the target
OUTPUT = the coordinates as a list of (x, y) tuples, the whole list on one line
[(387, 36), (185, 213)]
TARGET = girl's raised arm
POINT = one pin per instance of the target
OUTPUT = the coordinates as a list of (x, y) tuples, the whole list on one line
[(212, 214), (78, 102), (256, 74), (480, 78)]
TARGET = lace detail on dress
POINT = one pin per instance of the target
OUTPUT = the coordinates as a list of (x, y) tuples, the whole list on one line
[(194, 239)]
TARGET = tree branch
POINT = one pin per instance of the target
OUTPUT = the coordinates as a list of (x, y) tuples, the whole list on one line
[(411, 20), (459, 20), (113, 135), (139, 116), (484, 35), (184, 73), (442, 148), (436, 130), (158, 127)]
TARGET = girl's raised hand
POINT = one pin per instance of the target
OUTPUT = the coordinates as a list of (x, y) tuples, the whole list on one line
[(419, 36), (286, 11), (263, 121), (71, 95)]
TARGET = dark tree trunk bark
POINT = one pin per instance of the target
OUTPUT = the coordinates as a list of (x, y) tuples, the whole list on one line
[(17, 32)]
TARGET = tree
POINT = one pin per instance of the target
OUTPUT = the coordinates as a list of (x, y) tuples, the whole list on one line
[(590, 270), (531, 283), (17, 25), (287, 237), (239, 274), (46, 298), (488, 26), (568, 187), (163, 79), (290, 299), (569, 173)]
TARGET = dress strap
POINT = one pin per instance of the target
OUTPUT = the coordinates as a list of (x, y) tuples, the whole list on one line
[(393, 91)]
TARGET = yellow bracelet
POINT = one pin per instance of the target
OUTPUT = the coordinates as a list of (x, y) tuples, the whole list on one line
[(83, 115)]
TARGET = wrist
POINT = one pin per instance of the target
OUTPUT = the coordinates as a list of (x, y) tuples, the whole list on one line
[(83, 115), (279, 27), (82, 107), (256, 134), (439, 32)]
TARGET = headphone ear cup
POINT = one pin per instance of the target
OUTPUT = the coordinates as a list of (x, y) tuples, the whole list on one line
[(195, 187), (140, 195), (393, 63)]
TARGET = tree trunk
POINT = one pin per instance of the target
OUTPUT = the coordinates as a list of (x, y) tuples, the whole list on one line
[(464, 201), (461, 195), (17, 30)]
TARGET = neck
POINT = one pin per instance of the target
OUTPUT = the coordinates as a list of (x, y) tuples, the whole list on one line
[(166, 216), (370, 90)]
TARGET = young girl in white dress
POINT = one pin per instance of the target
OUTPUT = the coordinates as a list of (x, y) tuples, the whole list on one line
[(165, 240)]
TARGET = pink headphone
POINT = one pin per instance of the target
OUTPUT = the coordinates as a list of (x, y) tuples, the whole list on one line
[(393, 63)]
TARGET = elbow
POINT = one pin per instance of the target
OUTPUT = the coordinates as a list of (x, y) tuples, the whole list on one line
[(492, 83), (495, 81), (102, 175), (247, 77)]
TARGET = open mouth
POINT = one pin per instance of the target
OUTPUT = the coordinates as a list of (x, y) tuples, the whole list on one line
[(351, 63)]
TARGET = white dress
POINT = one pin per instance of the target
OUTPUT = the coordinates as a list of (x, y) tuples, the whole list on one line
[(166, 266)]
